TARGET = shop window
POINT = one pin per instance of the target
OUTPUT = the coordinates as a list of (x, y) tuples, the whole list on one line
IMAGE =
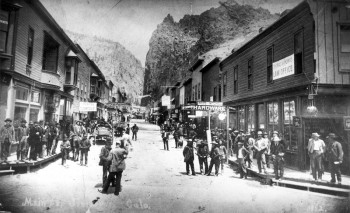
[(261, 116), (250, 74), (298, 52), (235, 80), (273, 113), (290, 137), (36, 97), (269, 64), (22, 93), (34, 114), (30, 46), (241, 117), (224, 83), (50, 53), (5, 20), (20, 113), (344, 47), (251, 118)]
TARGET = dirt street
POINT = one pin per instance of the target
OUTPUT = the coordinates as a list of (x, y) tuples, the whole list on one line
[(154, 181)]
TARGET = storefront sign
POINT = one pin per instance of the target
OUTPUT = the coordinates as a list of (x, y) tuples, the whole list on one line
[(165, 100), (346, 122), (210, 103), (87, 106), (204, 108), (296, 122), (283, 67)]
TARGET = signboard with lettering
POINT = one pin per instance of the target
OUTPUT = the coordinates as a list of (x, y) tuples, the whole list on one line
[(283, 67), (210, 103), (204, 108), (87, 106)]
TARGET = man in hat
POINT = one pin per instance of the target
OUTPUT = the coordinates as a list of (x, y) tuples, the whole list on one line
[(268, 151), (202, 153), (249, 145), (84, 147), (223, 154), (134, 130), (316, 148), (7, 136), (242, 154), (65, 146), (335, 157), (22, 137), (165, 137), (261, 146), (117, 157), (103, 159), (76, 137), (189, 157), (214, 159), (277, 153)]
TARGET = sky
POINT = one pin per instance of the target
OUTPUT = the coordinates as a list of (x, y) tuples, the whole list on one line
[(132, 22)]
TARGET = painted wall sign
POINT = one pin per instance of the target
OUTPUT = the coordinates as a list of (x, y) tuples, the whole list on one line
[(283, 67)]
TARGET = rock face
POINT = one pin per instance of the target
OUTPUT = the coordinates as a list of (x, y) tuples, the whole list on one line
[(116, 63), (174, 45)]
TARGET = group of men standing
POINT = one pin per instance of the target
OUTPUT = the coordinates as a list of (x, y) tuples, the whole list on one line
[(36, 141)]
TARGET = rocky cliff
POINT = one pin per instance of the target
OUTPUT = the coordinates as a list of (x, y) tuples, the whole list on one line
[(174, 45), (117, 63)]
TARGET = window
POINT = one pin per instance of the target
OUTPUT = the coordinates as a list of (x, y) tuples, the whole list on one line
[(20, 113), (251, 118), (250, 74), (273, 113), (50, 53), (290, 137), (269, 64), (298, 52), (344, 47), (215, 92), (4, 28), (241, 118), (224, 83), (36, 97), (30, 46), (219, 95), (22, 93), (235, 80), (34, 113)]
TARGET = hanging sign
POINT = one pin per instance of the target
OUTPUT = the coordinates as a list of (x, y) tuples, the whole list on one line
[(283, 67), (87, 106)]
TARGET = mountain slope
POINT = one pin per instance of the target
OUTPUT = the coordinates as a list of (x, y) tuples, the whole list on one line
[(117, 63), (174, 45)]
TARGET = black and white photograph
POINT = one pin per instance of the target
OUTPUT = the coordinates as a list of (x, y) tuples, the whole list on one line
[(175, 106)]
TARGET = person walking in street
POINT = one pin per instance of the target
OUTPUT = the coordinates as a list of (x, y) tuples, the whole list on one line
[(103, 160), (84, 147), (165, 137), (261, 147), (76, 137), (65, 147), (7, 136), (223, 154), (202, 153), (316, 148), (22, 137), (335, 157), (176, 136), (189, 157), (277, 153), (242, 154), (117, 157), (134, 130), (127, 129), (214, 159)]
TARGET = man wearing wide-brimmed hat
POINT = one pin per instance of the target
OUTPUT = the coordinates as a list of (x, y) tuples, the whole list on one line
[(316, 148), (214, 159), (277, 153), (202, 153), (261, 147), (7, 136), (335, 157)]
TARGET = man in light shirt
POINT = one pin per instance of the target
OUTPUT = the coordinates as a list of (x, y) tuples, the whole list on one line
[(261, 147), (316, 148)]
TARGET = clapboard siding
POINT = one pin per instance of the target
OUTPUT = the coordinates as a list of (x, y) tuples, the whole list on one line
[(28, 17), (282, 40)]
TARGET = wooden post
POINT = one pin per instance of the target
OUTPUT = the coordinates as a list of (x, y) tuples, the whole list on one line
[(227, 131)]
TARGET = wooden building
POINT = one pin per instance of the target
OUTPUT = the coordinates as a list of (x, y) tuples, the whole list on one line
[(294, 78)]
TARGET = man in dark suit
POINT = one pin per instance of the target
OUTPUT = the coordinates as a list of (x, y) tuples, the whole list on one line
[(34, 139), (335, 157)]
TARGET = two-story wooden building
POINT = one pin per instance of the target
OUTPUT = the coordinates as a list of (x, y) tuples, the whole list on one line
[(294, 77), (35, 57)]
